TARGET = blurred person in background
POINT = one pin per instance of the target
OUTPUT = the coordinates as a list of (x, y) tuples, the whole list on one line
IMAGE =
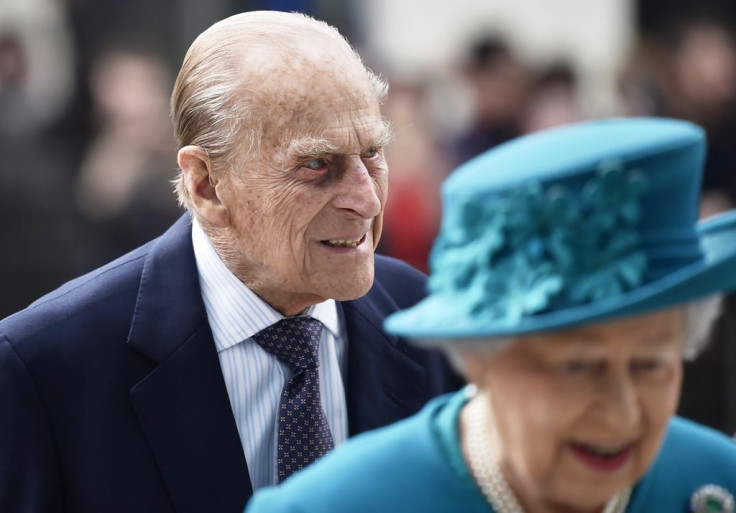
[(17, 105), (569, 280), (247, 340), (690, 71), (500, 83), (418, 166), (553, 99), (123, 187), (704, 91), (38, 224)]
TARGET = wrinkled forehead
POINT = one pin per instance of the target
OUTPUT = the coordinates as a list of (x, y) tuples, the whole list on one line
[(310, 91)]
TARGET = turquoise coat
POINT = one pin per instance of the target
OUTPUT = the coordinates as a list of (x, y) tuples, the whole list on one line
[(416, 466)]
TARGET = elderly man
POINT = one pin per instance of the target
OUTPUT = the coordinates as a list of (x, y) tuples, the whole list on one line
[(246, 341)]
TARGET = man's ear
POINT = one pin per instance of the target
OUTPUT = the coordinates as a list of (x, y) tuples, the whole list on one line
[(202, 185)]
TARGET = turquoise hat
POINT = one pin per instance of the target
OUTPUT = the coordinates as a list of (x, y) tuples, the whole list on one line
[(569, 226)]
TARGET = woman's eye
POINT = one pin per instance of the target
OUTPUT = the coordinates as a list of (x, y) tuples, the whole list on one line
[(646, 366), (316, 164), (574, 367), (369, 153)]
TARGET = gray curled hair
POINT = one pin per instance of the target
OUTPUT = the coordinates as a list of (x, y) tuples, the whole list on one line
[(699, 319), (211, 106)]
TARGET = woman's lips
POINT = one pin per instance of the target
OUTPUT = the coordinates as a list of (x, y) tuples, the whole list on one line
[(600, 458)]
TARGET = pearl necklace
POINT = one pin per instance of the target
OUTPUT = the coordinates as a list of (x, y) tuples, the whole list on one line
[(487, 473)]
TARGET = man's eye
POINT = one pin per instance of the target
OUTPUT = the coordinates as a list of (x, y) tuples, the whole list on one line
[(316, 164), (369, 153)]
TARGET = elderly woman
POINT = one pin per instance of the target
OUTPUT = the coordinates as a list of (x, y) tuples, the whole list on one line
[(569, 279)]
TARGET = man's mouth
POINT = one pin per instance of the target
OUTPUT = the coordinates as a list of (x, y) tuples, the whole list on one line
[(339, 243)]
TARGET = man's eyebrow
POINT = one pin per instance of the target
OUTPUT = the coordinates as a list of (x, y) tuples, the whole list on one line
[(385, 136), (310, 147), (305, 147)]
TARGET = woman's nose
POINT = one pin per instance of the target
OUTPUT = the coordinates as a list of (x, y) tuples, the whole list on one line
[(620, 403)]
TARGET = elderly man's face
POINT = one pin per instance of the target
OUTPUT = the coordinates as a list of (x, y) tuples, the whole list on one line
[(306, 213), (579, 416)]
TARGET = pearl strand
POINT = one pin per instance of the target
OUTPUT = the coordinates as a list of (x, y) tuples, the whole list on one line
[(489, 477)]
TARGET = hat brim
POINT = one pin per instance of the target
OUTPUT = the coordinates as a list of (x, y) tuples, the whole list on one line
[(439, 317)]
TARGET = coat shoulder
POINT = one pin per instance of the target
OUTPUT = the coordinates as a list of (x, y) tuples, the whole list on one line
[(692, 457), (400, 467), (401, 281), (101, 301), (81, 302)]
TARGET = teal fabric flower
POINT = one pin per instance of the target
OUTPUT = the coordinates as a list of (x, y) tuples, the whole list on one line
[(607, 258), (614, 194), (467, 245), (612, 269), (515, 289), (529, 286), (534, 213), (532, 249)]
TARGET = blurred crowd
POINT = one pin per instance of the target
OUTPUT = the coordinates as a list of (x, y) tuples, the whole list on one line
[(87, 157), (688, 73), (86, 145)]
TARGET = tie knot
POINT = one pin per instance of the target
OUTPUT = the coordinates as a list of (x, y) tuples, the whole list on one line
[(294, 341)]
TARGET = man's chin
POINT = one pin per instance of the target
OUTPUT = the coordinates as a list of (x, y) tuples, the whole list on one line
[(351, 288)]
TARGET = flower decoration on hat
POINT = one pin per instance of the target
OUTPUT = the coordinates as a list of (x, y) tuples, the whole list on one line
[(534, 248), (607, 237)]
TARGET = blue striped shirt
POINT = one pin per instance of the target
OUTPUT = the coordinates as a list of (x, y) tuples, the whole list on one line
[(254, 378)]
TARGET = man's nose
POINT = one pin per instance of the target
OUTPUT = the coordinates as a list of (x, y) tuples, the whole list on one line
[(360, 193)]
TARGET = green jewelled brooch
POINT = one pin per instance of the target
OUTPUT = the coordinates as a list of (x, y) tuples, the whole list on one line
[(711, 499)]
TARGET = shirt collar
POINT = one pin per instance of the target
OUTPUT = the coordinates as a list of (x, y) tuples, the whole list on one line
[(235, 312)]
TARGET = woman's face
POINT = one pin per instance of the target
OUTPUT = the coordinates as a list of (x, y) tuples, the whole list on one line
[(580, 415)]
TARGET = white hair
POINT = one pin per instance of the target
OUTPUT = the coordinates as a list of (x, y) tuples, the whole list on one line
[(699, 318), (209, 107)]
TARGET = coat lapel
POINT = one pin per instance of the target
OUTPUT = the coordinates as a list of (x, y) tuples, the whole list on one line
[(384, 384), (182, 405)]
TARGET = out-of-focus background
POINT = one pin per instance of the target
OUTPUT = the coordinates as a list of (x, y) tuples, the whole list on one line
[(87, 153)]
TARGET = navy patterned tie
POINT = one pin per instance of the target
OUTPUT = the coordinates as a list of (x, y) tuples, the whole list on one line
[(303, 434)]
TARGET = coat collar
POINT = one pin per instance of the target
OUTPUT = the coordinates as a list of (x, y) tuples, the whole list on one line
[(384, 384), (182, 405)]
